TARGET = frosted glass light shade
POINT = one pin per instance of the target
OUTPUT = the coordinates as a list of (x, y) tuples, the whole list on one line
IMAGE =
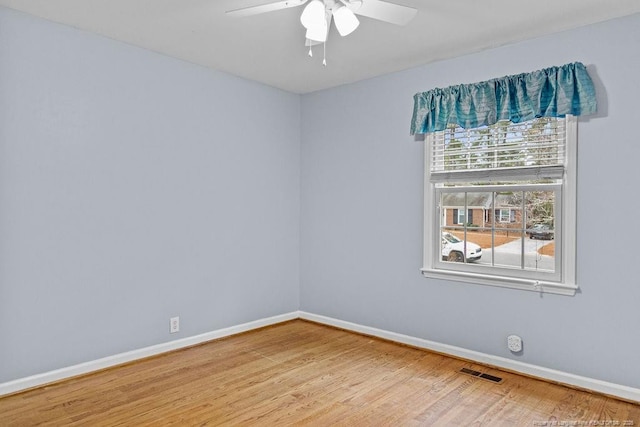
[(313, 15), (318, 33), (346, 21)]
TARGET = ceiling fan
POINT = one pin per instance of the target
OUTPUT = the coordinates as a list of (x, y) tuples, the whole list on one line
[(318, 14)]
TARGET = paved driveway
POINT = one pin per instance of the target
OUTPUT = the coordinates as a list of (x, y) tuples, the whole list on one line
[(530, 245), (509, 255)]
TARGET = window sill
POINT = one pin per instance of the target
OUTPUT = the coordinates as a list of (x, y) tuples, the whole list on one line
[(539, 286)]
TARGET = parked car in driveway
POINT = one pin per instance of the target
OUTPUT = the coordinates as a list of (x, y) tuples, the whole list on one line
[(453, 249), (540, 231)]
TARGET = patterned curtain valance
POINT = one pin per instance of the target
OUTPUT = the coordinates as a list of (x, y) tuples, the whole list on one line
[(552, 92)]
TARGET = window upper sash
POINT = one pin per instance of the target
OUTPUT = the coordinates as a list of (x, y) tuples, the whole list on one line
[(533, 150)]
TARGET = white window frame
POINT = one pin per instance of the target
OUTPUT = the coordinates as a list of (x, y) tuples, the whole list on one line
[(565, 229), (510, 215)]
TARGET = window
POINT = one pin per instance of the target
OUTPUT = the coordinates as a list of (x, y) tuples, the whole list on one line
[(505, 215), (500, 204), (459, 218)]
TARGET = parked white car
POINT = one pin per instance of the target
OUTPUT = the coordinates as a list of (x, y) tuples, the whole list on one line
[(453, 249)]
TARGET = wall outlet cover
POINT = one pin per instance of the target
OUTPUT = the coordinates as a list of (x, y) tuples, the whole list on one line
[(514, 343), (174, 325)]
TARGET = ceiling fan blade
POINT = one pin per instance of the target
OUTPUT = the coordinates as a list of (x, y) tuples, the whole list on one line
[(264, 8), (383, 11)]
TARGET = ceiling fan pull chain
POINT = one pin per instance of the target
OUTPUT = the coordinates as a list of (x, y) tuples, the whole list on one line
[(310, 52), (324, 54)]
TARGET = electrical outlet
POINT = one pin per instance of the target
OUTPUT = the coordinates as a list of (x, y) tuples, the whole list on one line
[(514, 343), (174, 325)]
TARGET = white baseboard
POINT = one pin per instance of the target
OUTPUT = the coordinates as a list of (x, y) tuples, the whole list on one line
[(624, 392), (118, 359), (611, 389)]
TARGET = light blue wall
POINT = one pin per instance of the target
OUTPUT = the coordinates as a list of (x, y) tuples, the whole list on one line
[(135, 187), (362, 214)]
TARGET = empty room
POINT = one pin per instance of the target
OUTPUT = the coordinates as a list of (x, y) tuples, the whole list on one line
[(319, 212)]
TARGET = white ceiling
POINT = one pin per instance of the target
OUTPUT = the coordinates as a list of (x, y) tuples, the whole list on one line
[(269, 48)]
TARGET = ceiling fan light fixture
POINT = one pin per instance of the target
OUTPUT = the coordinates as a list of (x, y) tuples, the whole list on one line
[(317, 15), (313, 14), (346, 21), (318, 33)]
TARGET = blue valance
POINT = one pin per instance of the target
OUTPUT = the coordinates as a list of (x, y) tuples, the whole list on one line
[(552, 92)]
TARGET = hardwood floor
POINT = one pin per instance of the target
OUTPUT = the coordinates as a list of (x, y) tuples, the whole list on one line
[(308, 374)]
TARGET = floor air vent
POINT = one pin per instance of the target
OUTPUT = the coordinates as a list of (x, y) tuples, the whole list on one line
[(487, 377)]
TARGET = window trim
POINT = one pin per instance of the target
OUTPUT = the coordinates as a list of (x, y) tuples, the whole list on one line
[(567, 250)]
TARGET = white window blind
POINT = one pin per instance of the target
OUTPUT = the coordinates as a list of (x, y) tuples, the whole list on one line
[(532, 150)]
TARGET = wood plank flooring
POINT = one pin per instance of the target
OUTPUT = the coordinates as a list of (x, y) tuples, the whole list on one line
[(302, 373)]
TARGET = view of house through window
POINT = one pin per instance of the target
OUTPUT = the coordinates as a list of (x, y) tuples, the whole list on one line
[(497, 194), (513, 229)]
